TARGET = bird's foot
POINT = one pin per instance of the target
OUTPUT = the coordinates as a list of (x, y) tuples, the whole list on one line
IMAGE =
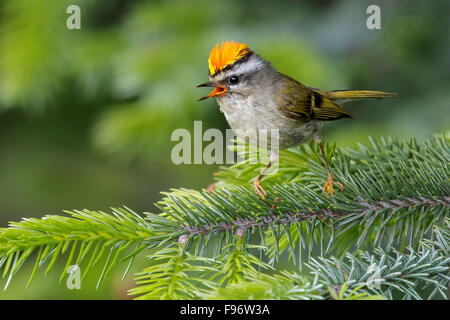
[(329, 185), (259, 189)]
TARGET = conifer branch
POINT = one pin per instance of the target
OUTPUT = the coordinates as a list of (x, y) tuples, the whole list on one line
[(394, 209), (87, 236)]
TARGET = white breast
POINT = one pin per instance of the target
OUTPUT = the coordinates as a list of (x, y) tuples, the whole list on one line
[(249, 116)]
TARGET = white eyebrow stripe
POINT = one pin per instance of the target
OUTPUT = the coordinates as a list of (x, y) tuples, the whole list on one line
[(251, 65), (248, 66)]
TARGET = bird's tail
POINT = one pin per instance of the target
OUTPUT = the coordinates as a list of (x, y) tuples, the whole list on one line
[(357, 94)]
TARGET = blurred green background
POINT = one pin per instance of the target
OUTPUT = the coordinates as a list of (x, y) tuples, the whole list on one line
[(86, 115)]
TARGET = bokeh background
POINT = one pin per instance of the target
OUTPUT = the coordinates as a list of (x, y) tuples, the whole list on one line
[(86, 115)]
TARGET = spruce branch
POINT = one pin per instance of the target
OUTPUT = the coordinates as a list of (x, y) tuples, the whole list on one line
[(401, 275), (283, 286), (401, 197), (396, 199), (177, 274), (173, 276), (87, 236)]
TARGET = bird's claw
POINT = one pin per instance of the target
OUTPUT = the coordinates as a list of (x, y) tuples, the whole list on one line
[(329, 185), (259, 189)]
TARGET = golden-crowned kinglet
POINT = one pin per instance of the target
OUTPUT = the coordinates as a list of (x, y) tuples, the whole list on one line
[(253, 95)]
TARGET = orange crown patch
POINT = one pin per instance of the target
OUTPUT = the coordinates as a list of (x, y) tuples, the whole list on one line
[(225, 54)]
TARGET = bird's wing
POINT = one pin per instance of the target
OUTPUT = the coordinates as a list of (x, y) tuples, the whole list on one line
[(303, 103)]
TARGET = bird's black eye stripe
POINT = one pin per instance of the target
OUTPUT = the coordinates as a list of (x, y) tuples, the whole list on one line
[(233, 79)]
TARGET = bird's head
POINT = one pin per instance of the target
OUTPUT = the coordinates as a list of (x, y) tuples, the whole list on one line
[(231, 66)]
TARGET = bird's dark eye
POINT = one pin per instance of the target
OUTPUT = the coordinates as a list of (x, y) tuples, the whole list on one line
[(234, 79)]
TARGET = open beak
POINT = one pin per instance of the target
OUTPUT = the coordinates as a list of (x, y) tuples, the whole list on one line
[(218, 90)]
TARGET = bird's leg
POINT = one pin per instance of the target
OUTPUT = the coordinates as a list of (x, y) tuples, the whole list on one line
[(257, 183), (329, 184)]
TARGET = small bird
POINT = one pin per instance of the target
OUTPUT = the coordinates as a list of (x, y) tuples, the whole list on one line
[(253, 95)]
